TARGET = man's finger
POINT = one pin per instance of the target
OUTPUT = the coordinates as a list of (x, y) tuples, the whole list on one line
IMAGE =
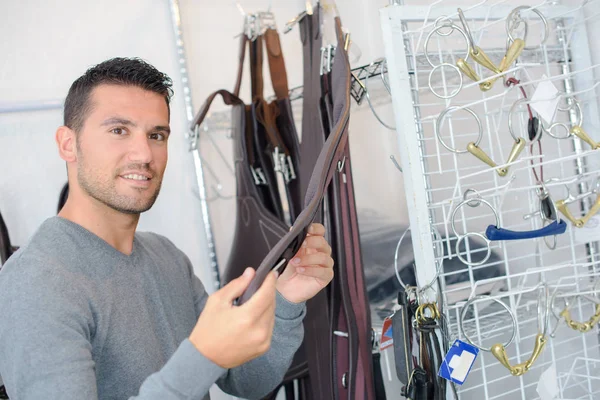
[(324, 274), (236, 287), (263, 297), (316, 229), (318, 259), (317, 243)]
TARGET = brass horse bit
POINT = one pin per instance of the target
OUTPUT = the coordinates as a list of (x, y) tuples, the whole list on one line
[(499, 349)]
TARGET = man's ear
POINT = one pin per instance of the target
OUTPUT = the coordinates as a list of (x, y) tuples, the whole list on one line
[(66, 139)]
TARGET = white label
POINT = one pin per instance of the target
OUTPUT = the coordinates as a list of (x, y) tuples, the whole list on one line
[(590, 232), (461, 365), (545, 100), (547, 386)]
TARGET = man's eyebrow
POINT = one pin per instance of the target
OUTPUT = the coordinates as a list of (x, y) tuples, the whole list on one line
[(164, 129), (119, 121), (126, 122)]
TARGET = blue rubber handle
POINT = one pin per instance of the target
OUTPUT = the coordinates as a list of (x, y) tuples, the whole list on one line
[(555, 228)]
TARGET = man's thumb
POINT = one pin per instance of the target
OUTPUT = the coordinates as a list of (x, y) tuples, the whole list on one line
[(236, 287)]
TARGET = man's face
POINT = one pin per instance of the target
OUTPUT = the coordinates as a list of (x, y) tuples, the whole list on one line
[(122, 147)]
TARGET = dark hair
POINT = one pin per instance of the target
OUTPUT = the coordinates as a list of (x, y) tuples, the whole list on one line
[(119, 71)]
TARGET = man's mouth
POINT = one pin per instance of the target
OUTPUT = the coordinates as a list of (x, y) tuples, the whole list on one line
[(136, 177)]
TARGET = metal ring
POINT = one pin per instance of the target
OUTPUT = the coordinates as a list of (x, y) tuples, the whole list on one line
[(543, 317), (463, 21), (552, 305), (467, 234), (420, 313), (462, 203), (510, 125), (456, 91), (564, 124), (436, 30), (546, 238), (440, 119), (544, 21), (472, 202), (481, 297), (471, 263), (447, 24), (439, 263)]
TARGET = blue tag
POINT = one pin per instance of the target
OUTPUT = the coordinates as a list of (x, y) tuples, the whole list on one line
[(458, 362)]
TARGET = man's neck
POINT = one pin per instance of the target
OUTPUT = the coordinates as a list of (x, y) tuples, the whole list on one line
[(114, 227)]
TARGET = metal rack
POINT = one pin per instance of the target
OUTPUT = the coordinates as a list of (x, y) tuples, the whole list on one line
[(436, 179)]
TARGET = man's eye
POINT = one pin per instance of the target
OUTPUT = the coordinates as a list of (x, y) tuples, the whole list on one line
[(118, 131), (157, 136)]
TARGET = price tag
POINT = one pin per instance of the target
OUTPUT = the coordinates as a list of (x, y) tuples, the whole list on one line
[(458, 362), (387, 339), (545, 99)]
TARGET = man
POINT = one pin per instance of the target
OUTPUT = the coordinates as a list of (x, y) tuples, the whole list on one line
[(90, 308)]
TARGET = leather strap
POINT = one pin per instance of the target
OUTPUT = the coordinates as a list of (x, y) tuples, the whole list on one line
[(401, 335), (256, 67), (228, 98), (276, 64), (241, 57)]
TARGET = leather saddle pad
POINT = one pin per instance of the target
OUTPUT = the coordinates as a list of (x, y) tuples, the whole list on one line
[(323, 171)]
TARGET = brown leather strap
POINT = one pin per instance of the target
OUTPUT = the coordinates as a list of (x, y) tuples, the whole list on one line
[(267, 116), (241, 58), (256, 67), (228, 98), (276, 64)]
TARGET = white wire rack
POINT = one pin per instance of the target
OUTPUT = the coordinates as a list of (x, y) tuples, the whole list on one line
[(436, 178)]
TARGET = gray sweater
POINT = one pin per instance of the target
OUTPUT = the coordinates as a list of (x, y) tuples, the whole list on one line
[(81, 320)]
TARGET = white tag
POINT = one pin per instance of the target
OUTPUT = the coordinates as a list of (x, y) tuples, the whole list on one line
[(590, 232), (415, 346), (547, 386), (545, 100)]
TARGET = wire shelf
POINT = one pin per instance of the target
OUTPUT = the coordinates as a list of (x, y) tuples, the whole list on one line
[(436, 179)]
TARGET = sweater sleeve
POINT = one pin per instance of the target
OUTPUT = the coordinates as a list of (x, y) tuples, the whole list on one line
[(258, 377), (45, 342)]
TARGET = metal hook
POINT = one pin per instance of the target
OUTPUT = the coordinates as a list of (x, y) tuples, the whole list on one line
[(366, 87), (396, 163)]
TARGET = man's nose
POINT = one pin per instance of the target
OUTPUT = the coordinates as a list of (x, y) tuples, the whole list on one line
[(140, 151)]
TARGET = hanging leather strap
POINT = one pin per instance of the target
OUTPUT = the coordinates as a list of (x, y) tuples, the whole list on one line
[(228, 98), (276, 64), (241, 57)]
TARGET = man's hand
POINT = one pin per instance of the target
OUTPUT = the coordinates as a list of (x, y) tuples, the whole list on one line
[(310, 270), (231, 335)]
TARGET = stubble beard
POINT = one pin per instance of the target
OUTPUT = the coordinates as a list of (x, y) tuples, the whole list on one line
[(104, 190)]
